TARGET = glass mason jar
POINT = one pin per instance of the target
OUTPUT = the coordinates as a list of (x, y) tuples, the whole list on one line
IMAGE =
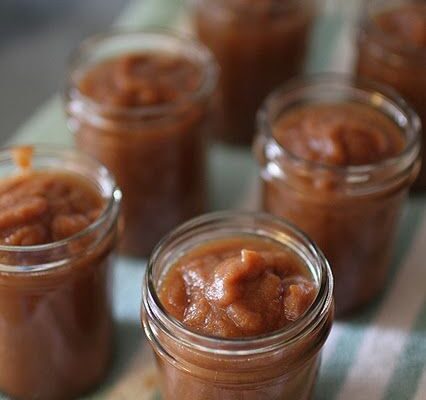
[(55, 299), (156, 152), (258, 45), (282, 364), (390, 59), (351, 212)]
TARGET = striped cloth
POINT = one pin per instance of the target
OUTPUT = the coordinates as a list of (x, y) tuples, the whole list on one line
[(380, 354)]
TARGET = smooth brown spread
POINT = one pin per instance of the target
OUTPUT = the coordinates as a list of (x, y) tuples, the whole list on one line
[(39, 207), (338, 134), (406, 23), (135, 80), (238, 287)]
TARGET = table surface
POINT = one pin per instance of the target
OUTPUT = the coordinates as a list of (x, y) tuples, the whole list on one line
[(379, 354)]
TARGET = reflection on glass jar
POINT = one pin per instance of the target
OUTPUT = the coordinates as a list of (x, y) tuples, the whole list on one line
[(392, 50), (258, 45), (58, 231), (337, 159), (139, 103), (209, 364)]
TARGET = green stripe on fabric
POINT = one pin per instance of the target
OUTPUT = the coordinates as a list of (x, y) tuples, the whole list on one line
[(408, 373), (324, 38), (150, 13), (225, 188), (335, 370)]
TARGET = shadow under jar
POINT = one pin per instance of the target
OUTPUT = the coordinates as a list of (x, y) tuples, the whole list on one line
[(58, 230), (237, 306), (392, 50), (258, 45), (337, 159), (139, 102)]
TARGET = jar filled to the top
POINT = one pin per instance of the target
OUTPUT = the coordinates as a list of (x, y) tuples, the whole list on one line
[(58, 234), (337, 158), (139, 102), (237, 306)]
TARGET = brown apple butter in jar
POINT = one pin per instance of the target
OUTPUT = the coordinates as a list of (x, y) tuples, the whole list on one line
[(392, 50), (259, 45), (237, 305), (337, 159), (58, 230), (139, 103)]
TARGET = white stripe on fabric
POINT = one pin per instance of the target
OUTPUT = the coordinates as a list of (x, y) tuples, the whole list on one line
[(421, 390), (385, 339)]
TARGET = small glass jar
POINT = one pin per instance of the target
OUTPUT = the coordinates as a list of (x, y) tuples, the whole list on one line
[(282, 364), (258, 45), (156, 152), (351, 212), (392, 61), (56, 326)]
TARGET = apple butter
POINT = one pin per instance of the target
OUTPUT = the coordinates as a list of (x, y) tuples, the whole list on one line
[(392, 50), (58, 228), (340, 169), (44, 207), (340, 134), (258, 45), (237, 288), (141, 79), (141, 109), (237, 305)]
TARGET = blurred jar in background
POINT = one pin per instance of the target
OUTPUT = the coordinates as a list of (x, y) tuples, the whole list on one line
[(337, 159), (139, 103), (258, 44), (392, 50)]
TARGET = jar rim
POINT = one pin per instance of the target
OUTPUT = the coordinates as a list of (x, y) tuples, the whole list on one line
[(405, 49), (378, 95), (315, 315), (111, 208), (207, 65)]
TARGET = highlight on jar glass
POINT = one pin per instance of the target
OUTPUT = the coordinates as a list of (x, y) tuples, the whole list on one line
[(140, 103), (259, 45), (58, 231), (237, 305), (392, 50), (337, 158)]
